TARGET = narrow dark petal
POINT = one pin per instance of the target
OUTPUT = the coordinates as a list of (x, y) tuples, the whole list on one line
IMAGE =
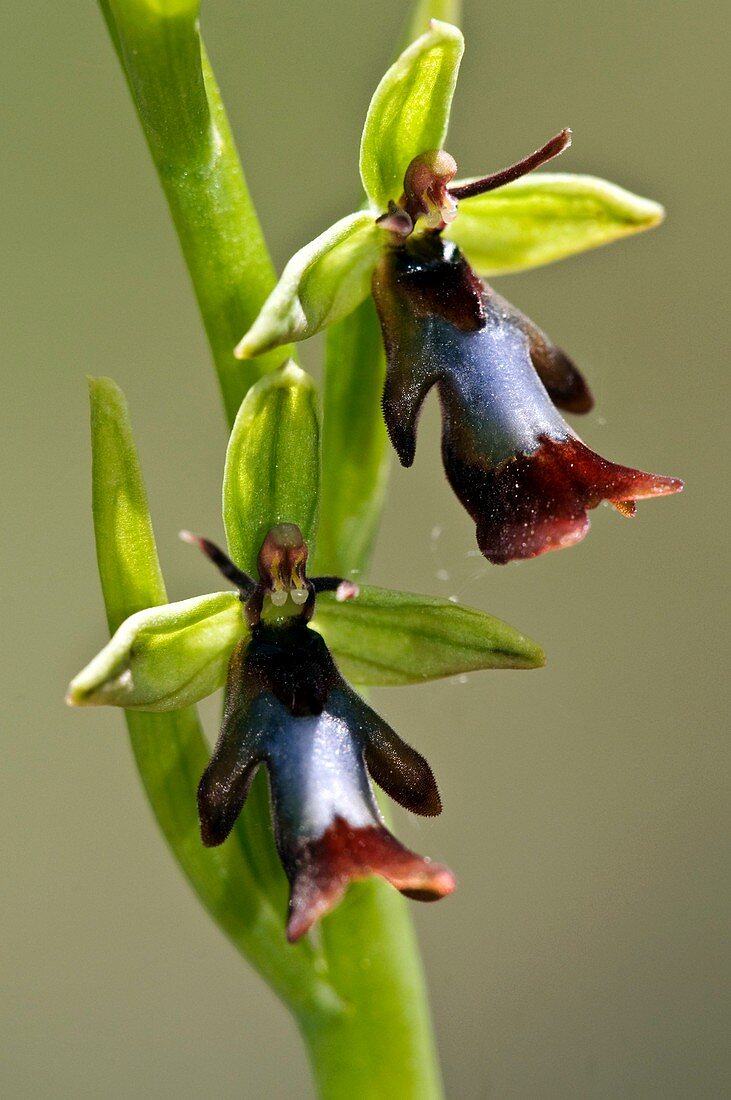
[(226, 781), (403, 397), (222, 792), (552, 148), (327, 584), (566, 386), (324, 867), (399, 770), (534, 503), (419, 283), (403, 774), (230, 571)]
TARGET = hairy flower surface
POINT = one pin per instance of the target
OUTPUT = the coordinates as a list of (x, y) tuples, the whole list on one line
[(288, 708), (517, 467)]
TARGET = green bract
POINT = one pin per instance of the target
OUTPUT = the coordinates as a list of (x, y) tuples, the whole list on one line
[(530, 222), (272, 472), (355, 449)]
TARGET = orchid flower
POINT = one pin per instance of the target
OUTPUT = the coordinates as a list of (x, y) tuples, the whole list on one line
[(422, 248), (288, 707)]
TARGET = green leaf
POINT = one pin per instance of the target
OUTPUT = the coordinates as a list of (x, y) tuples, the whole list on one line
[(409, 112), (322, 282), (170, 750), (126, 553), (164, 658), (355, 448), (546, 217), (272, 470), (389, 638)]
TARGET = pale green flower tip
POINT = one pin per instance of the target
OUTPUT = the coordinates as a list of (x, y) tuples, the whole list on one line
[(77, 696), (649, 213), (532, 656), (256, 342), (100, 387), (440, 29), (634, 210), (88, 689), (243, 348)]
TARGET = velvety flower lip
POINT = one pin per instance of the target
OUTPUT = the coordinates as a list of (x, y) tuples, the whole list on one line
[(326, 866), (517, 467), (289, 710)]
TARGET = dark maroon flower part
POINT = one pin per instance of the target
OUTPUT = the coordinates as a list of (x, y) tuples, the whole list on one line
[(523, 475), (288, 708)]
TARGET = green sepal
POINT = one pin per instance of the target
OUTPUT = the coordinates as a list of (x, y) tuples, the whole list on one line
[(409, 112), (385, 638), (322, 283), (546, 217), (272, 472), (164, 658)]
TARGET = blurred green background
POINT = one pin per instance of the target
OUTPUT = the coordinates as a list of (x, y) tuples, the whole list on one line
[(586, 951)]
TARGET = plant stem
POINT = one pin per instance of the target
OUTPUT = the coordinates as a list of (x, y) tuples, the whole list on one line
[(382, 1048), (187, 131)]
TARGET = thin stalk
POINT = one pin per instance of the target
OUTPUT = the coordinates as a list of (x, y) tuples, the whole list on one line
[(187, 131), (556, 145)]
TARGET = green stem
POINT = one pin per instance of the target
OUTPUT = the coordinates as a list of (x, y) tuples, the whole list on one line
[(382, 1047), (187, 131)]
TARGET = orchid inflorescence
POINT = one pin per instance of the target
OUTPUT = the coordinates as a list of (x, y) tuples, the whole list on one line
[(420, 248)]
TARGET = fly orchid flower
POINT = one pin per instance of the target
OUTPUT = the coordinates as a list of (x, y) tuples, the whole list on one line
[(421, 248), (288, 708), (523, 475)]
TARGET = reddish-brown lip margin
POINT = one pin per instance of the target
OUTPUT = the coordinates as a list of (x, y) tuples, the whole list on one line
[(343, 854), (535, 503)]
